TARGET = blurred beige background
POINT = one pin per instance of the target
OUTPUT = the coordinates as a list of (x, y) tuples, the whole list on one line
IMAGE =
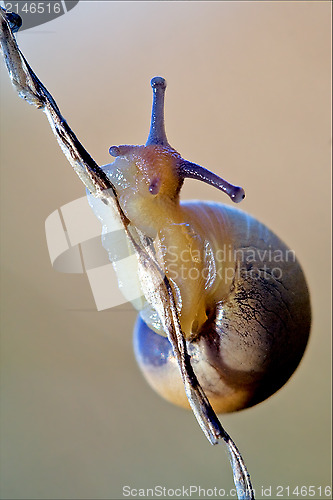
[(248, 97)]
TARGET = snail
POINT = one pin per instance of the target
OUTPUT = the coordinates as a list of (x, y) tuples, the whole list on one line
[(240, 293), (224, 305)]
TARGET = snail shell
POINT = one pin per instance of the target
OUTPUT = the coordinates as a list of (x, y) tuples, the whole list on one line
[(254, 338)]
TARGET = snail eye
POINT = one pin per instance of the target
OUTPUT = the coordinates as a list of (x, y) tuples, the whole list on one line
[(155, 185), (114, 151)]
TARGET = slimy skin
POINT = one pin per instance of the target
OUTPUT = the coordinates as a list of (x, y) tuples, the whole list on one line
[(183, 251)]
